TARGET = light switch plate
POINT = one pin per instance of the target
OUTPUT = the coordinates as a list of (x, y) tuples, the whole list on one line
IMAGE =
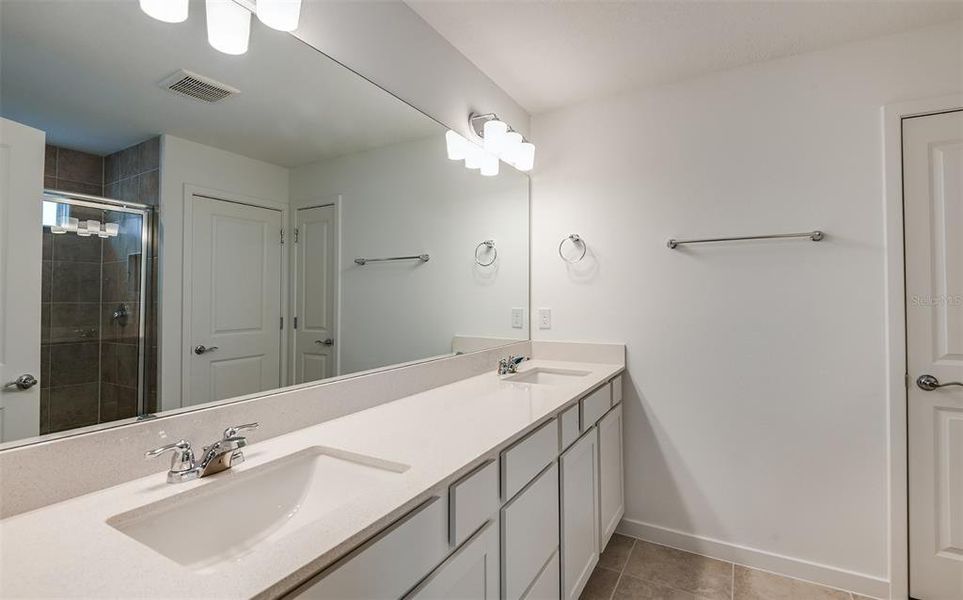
[(518, 318), (545, 318)]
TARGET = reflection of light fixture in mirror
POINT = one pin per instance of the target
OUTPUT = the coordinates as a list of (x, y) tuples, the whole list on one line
[(499, 142), (168, 11), (282, 15), (228, 26)]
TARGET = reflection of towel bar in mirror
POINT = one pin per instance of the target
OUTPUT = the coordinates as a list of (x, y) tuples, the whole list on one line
[(421, 257)]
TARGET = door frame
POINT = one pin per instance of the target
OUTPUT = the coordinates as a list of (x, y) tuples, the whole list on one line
[(303, 204), (896, 356), (187, 289)]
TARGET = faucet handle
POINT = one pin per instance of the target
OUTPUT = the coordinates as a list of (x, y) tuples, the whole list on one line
[(183, 459), (231, 432)]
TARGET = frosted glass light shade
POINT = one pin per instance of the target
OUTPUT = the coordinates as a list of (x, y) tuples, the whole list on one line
[(525, 158), (228, 26), (112, 229), (457, 145), (473, 156), (495, 132), (82, 230), (168, 11), (489, 164), (511, 146), (282, 15)]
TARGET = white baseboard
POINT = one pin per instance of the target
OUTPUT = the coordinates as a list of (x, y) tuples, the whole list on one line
[(859, 583)]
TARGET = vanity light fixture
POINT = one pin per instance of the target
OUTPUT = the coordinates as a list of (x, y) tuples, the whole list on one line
[(229, 21), (499, 142), (168, 11)]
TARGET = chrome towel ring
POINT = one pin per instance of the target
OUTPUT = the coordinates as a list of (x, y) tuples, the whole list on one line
[(490, 244), (577, 241)]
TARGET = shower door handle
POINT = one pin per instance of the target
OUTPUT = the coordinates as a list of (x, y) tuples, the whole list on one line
[(24, 382), (201, 349)]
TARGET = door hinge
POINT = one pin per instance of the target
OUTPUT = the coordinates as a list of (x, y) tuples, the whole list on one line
[(295, 322), (297, 233), (282, 323), (282, 236)]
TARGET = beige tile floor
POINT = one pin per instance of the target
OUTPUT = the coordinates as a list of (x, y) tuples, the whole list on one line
[(631, 569)]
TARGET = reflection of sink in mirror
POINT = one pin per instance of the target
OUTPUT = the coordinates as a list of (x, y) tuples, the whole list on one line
[(547, 376), (230, 516)]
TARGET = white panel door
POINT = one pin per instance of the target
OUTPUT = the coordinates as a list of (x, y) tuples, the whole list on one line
[(235, 300), (315, 293), (21, 192), (933, 208), (578, 499)]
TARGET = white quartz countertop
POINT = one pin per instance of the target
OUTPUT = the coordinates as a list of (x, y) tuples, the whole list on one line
[(69, 550)]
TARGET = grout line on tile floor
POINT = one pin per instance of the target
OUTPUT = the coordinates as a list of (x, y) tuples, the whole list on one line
[(732, 581), (622, 570)]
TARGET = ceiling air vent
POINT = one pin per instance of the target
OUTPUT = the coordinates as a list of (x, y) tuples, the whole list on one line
[(198, 87)]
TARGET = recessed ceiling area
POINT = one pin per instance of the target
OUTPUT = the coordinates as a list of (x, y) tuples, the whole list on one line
[(548, 54), (87, 73)]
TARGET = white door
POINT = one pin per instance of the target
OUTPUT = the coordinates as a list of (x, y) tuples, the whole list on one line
[(21, 191), (611, 496), (578, 499), (933, 208), (315, 294), (234, 342)]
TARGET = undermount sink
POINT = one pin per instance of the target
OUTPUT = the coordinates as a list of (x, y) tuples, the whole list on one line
[(235, 512), (547, 376)]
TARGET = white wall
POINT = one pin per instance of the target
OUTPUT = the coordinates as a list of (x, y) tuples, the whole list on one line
[(189, 163), (756, 413), (407, 199), (391, 45)]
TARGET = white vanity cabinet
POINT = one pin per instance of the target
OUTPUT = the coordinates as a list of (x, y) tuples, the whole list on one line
[(528, 524), (611, 488), (579, 506)]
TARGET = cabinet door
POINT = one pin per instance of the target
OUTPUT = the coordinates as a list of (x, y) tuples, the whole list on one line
[(611, 498), (578, 494), (471, 573), (529, 533)]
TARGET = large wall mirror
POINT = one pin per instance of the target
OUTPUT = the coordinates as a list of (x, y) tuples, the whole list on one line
[(192, 227)]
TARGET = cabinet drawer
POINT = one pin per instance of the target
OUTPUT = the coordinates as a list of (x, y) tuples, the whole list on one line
[(546, 587), (568, 427), (529, 534), (391, 563), (595, 405), (472, 500), (616, 390), (528, 457)]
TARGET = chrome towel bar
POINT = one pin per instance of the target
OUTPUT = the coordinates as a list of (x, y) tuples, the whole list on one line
[(815, 236), (421, 257)]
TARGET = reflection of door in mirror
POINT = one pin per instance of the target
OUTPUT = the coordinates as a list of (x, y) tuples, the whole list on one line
[(316, 299), (234, 300), (21, 162)]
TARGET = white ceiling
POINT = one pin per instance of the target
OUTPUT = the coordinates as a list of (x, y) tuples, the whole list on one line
[(86, 72), (548, 54)]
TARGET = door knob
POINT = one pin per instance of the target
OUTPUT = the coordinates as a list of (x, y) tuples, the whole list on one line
[(325, 342), (24, 382), (928, 383), (201, 349)]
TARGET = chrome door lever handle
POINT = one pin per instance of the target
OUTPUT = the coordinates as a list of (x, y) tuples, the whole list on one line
[(325, 342), (24, 382), (928, 383), (201, 349)]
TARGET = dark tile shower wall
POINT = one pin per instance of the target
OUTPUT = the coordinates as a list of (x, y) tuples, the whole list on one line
[(90, 362), (70, 292), (133, 174)]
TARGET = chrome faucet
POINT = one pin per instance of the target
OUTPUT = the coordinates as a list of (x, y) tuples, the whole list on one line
[(510, 364), (219, 456)]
